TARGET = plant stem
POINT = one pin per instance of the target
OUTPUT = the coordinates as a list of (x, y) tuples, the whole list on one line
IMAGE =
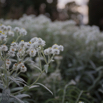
[(63, 100), (44, 57), (39, 60), (79, 97), (38, 77), (18, 38)]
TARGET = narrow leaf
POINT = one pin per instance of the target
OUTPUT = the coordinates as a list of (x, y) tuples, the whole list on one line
[(19, 100), (46, 68), (45, 87)]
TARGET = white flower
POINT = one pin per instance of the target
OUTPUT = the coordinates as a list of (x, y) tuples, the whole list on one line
[(4, 48), (21, 52), (55, 46), (8, 28), (34, 45), (12, 49), (14, 44), (56, 51), (15, 66), (22, 43), (3, 27), (8, 62), (10, 33), (23, 32), (41, 42), (28, 44), (19, 65), (61, 48), (34, 40), (23, 68), (38, 49), (32, 52), (46, 52), (50, 50), (11, 53), (3, 37), (17, 29)]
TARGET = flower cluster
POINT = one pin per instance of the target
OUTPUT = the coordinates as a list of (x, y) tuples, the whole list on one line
[(31, 48), (55, 49), (23, 50), (17, 55), (6, 31), (43, 23), (9, 51)]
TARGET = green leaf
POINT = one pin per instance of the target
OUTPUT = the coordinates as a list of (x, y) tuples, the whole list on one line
[(26, 88), (99, 68)]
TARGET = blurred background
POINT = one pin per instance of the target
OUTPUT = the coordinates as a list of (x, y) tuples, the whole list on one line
[(82, 11), (81, 62)]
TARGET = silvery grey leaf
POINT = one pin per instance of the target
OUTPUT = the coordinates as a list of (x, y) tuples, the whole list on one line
[(34, 86), (16, 89), (17, 99), (1, 86), (45, 87), (20, 79), (13, 79), (20, 96), (46, 68)]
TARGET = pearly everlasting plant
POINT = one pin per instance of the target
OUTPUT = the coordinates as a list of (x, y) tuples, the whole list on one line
[(15, 56)]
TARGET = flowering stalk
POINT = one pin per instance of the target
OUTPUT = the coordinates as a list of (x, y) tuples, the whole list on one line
[(16, 55)]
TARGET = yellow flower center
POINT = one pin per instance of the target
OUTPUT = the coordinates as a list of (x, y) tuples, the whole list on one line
[(30, 42), (13, 42)]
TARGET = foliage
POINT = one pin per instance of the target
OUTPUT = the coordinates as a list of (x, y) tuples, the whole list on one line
[(82, 57), (15, 56)]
